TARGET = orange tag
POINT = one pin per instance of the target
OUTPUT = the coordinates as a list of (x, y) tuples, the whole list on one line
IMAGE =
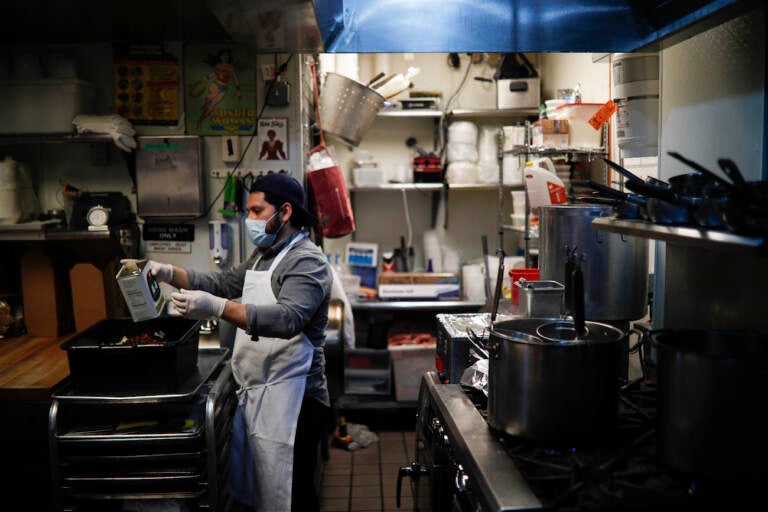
[(603, 114)]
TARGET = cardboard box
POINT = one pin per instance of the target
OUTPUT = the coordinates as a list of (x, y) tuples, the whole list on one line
[(551, 133), (46, 295), (418, 285)]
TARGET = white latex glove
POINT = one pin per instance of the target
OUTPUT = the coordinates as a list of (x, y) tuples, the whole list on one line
[(163, 272), (197, 304)]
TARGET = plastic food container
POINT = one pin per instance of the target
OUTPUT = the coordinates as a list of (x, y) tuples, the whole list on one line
[(97, 360), (409, 363), (582, 134)]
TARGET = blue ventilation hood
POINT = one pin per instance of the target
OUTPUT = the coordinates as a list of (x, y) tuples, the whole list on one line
[(382, 26)]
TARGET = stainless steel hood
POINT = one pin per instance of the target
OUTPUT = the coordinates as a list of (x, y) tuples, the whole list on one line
[(382, 26), (374, 26)]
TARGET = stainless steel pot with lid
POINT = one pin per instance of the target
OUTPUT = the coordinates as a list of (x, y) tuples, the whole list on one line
[(551, 385)]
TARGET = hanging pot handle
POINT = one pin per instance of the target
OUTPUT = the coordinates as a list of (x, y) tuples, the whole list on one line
[(499, 279), (568, 291), (577, 281)]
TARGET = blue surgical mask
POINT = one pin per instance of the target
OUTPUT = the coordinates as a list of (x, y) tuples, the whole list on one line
[(257, 231)]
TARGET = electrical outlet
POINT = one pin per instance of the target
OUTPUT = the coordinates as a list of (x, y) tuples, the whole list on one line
[(230, 148)]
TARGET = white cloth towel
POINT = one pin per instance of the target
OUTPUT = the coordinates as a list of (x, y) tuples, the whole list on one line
[(119, 128)]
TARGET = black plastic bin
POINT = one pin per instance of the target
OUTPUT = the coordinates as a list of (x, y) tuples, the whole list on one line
[(97, 362)]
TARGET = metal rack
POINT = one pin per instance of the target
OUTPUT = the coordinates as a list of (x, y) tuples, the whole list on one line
[(524, 152), (126, 446)]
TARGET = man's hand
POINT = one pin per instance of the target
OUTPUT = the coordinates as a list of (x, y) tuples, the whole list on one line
[(163, 272), (197, 304)]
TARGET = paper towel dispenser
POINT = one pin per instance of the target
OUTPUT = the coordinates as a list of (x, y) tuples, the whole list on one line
[(169, 178)]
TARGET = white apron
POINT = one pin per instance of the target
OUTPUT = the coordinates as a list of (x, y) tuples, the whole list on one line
[(272, 374)]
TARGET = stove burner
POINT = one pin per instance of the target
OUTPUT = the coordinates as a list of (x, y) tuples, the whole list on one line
[(623, 472)]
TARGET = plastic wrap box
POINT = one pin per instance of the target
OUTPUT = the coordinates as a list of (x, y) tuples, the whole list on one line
[(97, 362), (410, 362), (367, 372), (42, 106), (418, 285)]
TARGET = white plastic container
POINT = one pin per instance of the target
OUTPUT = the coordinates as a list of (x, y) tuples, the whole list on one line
[(367, 176), (42, 106), (511, 172), (409, 363), (518, 201), (582, 134), (543, 187)]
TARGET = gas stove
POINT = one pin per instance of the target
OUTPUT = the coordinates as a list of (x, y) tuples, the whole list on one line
[(462, 464)]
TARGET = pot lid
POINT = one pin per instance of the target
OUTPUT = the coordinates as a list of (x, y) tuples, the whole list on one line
[(554, 331)]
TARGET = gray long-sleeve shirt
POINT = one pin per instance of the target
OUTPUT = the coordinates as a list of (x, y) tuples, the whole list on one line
[(301, 283)]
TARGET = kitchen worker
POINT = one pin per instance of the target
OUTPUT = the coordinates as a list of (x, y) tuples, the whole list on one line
[(277, 358)]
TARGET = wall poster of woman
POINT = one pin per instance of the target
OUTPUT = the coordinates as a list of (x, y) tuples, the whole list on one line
[(220, 90), (273, 139)]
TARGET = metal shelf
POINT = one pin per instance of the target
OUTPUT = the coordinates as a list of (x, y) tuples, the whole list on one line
[(53, 138), (682, 235), (443, 305), (461, 112), (429, 113), (493, 112), (555, 151), (482, 186), (399, 186), (434, 187)]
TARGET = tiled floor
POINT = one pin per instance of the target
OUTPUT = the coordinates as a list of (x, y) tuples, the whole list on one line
[(366, 479)]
